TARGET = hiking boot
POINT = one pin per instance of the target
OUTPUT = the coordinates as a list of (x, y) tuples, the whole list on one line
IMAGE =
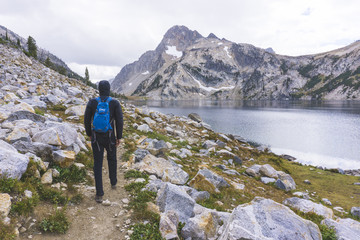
[(98, 199), (113, 187)]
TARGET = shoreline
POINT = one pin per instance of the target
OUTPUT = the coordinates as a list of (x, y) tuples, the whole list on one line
[(290, 157)]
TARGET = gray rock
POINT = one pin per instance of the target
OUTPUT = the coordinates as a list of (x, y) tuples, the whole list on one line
[(209, 144), (220, 166), (149, 121), (77, 110), (232, 172), (18, 134), (144, 128), (209, 181), (140, 154), (307, 182), (267, 180), (154, 185), (205, 224), (346, 229), (268, 171), (200, 195), (66, 133), (12, 163), (64, 158), (355, 211), (306, 206), (237, 160), (220, 144), (160, 145), (173, 197), (25, 115), (194, 116), (169, 221), (47, 178), (285, 182), (326, 201), (49, 136), (167, 170), (253, 171), (266, 219), (42, 150)]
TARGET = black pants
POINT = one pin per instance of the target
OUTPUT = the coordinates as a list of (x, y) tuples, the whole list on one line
[(101, 141)]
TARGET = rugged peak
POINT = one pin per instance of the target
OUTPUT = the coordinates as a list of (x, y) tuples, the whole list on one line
[(211, 35), (270, 50), (179, 36)]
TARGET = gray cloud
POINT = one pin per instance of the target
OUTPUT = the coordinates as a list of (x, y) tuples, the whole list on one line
[(115, 33)]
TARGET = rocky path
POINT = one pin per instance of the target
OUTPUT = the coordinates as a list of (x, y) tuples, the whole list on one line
[(91, 220)]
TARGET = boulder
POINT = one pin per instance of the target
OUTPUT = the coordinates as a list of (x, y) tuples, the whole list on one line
[(73, 91), (173, 197), (18, 134), (47, 177), (140, 154), (67, 134), (12, 163), (144, 128), (169, 221), (23, 106), (220, 144), (268, 171), (209, 144), (167, 170), (208, 181), (267, 180), (355, 211), (49, 136), (266, 219), (64, 158), (42, 150), (205, 224), (346, 229), (78, 110), (149, 121), (194, 116), (285, 182), (237, 160), (306, 206), (5, 205), (253, 171), (25, 115)]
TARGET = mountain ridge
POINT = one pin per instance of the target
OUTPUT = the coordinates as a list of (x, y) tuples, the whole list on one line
[(187, 65)]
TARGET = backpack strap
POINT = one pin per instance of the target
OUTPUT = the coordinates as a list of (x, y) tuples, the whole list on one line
[(98, 99), (108, 99)]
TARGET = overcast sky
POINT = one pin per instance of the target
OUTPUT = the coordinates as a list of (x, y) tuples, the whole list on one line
[(105, 35)]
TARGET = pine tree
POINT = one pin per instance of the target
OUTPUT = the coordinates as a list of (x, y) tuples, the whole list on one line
[(48, 63), (18, 42), (87, 77), (32, 48), (6, 36)]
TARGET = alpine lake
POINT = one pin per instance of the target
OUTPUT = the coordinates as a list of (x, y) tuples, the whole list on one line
[(318, 133)]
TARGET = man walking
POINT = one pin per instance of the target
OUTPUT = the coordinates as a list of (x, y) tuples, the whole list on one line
[(100, 115)]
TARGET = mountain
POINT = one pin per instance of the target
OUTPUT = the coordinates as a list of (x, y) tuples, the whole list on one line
[(58, 64), (186, 65)]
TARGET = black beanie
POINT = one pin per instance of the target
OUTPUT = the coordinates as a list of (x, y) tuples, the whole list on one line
[(104, 88)]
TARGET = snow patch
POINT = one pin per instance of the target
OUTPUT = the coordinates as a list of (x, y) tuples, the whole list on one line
[(209, 89), (171, 50), (145, 73), (130, 84), (220, 43), (227, 51)]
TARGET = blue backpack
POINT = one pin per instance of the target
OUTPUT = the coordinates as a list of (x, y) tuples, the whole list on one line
[(101, 122)]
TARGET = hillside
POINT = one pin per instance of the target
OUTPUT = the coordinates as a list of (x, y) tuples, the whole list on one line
[(58, 64), (186, 65)]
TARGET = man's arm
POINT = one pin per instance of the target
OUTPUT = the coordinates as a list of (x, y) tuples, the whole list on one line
[(118, 121), (88, 118)]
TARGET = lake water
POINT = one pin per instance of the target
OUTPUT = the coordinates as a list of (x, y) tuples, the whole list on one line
[(317, 133)]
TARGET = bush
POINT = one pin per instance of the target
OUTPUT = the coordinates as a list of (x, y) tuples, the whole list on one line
[(25, 206), (73, 174), (327, 233), (51, 195), (7, 231), (135, 174), (56, 223)]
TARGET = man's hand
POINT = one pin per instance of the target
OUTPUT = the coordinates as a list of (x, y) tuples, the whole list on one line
[(118, 141)]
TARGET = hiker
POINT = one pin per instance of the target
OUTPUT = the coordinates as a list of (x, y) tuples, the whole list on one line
[(102, 114)]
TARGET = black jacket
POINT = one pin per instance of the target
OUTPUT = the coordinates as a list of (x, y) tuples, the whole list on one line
[(116, 114)]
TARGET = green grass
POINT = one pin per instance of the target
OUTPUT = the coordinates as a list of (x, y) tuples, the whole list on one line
[(39, 111), (25, 206), (85, 158), (51, 195), (56, 223), (148, 231), (58, 107), (7, 231), (136, 174), (73, 174)]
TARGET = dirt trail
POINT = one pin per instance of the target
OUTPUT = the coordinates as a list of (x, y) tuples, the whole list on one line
[(91, 220)]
